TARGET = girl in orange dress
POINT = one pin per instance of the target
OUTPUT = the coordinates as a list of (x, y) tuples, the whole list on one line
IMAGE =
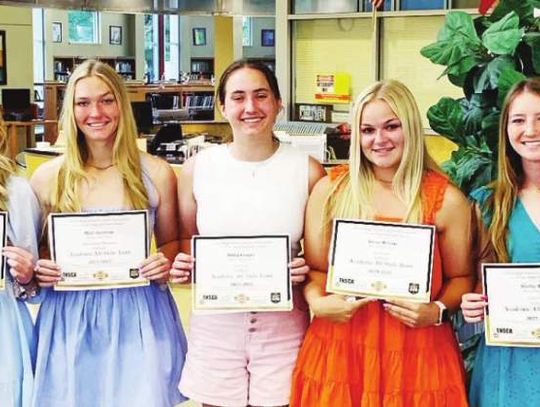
[(373, 353)]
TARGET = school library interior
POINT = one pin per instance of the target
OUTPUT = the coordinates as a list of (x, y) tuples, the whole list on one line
[(171, 55)]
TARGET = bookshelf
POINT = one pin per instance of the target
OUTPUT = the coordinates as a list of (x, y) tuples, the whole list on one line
[(197, 98), (63, 66)]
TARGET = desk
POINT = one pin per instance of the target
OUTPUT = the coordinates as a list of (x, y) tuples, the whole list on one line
[(29, 127)]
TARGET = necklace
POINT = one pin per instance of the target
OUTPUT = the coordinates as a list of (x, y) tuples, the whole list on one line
[(100, 168)]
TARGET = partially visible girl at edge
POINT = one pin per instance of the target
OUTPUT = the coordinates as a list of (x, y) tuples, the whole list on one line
[(17, 339), (110, 347), (508, 214), (251, 186), (363, 352)]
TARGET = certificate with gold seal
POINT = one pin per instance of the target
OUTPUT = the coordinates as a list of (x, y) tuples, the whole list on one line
[(241, 273), (3, 241), (381, 259), (512, 316), (99, 250)]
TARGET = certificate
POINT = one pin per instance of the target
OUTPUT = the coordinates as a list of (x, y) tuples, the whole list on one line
[(512, 317), (241, 273), (3, 237), (380, 259), (99, 250)]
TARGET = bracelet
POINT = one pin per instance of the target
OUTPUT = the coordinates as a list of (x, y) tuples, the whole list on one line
[(25, 291)]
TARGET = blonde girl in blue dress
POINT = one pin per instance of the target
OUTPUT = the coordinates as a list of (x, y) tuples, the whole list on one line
[(112, 347), (17, 341)]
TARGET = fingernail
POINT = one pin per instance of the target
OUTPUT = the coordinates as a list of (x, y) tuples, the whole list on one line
[(484, 297)]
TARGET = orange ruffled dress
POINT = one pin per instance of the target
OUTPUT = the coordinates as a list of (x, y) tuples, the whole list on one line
[(376, 361)]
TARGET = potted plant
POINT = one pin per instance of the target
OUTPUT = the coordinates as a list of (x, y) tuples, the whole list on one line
[(485, 56)]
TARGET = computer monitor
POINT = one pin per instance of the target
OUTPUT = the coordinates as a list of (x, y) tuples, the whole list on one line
[(15, 100), (162, 101), (142, 111)]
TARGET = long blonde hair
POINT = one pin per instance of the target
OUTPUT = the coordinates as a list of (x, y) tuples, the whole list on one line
[(126, 155), (7, 166), (509, 174), (351, 194)]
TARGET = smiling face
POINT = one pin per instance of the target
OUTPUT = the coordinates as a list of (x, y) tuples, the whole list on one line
[(249, 105), (523, 128), (96, 110), (381, 136)]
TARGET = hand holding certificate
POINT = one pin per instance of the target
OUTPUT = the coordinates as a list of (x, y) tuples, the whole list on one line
[(513, 313), (99, 250), (248, 273), (383, 260)]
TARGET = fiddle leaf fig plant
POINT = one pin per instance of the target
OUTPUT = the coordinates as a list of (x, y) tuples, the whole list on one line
[(484, 56)]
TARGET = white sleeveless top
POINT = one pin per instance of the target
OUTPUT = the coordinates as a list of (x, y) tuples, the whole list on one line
[(251, 198)]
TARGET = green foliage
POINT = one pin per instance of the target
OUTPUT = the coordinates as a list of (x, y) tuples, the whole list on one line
[(484, 56)]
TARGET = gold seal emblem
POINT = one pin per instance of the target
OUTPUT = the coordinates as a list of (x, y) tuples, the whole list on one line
[(100, 275), (378, 285), (241, 298), (536, 333)]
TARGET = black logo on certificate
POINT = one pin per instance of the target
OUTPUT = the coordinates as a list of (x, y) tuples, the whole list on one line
[(134, 273), (275, 297), (414, 288)]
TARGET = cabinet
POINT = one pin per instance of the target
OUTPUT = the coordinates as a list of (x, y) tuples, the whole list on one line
[(63, 66)]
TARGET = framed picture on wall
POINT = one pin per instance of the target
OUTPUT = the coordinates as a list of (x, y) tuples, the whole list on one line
[(268, 38), (56, 31), (3, 65), (115, 35), (199, 36)]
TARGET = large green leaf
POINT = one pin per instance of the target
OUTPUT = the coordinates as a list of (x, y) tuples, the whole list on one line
[(489, 77), (446, 118), (458, 27), (503, 37), (507, 79), (474, 110), (532, 39), (490, 129), (523, 8), (457, 41)]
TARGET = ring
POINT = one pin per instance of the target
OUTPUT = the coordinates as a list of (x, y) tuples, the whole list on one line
[(36, 268)]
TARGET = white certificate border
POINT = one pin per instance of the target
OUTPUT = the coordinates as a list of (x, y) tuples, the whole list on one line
[(3, 264), (62, 286), (195, 308), (490, 340), (425, 298)]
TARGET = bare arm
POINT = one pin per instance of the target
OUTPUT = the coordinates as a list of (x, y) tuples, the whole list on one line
[(473, 303), (455, 241), (453, 223), (157, 265), (187, 210)]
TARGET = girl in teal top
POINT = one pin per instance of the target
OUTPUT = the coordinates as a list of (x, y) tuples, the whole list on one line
[(509, 233)]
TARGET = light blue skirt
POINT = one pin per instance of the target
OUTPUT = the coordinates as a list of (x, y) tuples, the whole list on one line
[(118, 347), (17, 346), (505, 377)]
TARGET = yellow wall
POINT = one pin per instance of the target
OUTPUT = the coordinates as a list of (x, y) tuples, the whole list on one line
[(327, 46), (330, 45), (17, 22), (401, 59)]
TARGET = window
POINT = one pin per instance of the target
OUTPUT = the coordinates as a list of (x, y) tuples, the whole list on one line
[(83, 27), (171, 36), (247, 31), (151, 48)]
